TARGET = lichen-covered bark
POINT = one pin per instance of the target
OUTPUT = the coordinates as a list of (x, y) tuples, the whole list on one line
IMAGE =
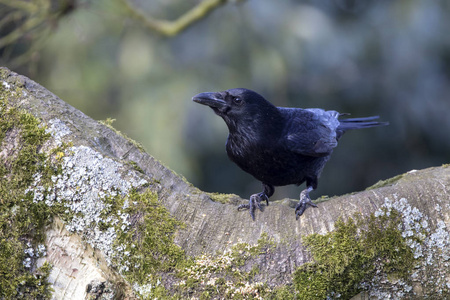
[(111, 190)]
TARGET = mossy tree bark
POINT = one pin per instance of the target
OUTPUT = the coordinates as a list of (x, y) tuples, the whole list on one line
[(421, 200)]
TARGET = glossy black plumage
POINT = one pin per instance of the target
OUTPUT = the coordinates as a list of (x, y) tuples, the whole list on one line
[(279, 146)]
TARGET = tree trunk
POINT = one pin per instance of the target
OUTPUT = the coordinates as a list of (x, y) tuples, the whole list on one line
[(102, 190)]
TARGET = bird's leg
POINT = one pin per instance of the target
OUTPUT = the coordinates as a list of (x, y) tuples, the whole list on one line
[(255, 200), (253, 203), (304, 202)]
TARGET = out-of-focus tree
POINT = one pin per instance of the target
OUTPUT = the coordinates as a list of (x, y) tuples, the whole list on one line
[(26, 25)]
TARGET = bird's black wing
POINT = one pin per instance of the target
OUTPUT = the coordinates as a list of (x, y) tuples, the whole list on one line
[(310, 132)]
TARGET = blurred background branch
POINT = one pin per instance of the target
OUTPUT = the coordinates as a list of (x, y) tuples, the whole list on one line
[(171, 28), (25, 25)]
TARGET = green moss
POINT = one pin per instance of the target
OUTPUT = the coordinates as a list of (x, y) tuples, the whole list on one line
[(386, 182), (321, 199), (285, 292), (242, 251), (223, 198), (150, 242), (344, 258), (136, 166), (108, 123), (22, 220), (145, 249), (222, 276)]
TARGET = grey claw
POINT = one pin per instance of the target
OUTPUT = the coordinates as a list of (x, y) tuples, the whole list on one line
[(253, 203), (304, 203), (243, 206), (300, 209), (264, 196)]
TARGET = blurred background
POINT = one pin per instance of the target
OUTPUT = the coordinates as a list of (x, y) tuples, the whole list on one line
[(108, 59)]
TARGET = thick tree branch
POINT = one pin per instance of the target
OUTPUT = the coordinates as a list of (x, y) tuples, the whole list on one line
[(102, 174)]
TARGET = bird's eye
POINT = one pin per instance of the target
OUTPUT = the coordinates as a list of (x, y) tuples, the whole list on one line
[(237, 100)]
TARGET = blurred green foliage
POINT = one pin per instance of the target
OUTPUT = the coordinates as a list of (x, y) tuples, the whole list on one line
[(388, 58)]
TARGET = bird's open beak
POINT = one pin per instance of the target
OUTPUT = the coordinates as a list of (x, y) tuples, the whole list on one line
[(212, 100)]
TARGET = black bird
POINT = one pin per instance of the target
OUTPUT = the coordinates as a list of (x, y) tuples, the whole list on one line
[(279, 145)]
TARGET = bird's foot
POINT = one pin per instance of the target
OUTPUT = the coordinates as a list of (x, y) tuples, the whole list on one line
[(304, 203), (254, 202)]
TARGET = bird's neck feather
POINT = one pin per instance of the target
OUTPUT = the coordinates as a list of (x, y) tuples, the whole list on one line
[(254, 131)]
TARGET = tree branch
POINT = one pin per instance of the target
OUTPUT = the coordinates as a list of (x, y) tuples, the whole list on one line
[(116, 198), (28, 6), (172, 28)]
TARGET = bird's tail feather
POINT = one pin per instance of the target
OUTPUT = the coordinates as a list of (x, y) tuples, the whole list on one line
[(357, 123)]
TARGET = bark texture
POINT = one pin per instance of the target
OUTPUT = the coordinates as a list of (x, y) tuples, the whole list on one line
[(80, 259)]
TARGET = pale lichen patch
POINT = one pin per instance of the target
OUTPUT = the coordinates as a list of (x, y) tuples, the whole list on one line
[(431, 246), (58, 130), (87, 178), (6, 85)]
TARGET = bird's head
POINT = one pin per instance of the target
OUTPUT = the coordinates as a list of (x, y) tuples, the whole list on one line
[(237, 106)]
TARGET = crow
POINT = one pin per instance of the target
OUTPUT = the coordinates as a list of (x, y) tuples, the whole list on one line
[(279, 145)]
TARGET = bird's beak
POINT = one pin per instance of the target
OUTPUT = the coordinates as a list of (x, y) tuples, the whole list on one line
[(213, 100)]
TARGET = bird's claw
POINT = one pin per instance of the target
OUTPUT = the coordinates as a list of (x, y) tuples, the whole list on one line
[(254, 203), (303, 204)]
